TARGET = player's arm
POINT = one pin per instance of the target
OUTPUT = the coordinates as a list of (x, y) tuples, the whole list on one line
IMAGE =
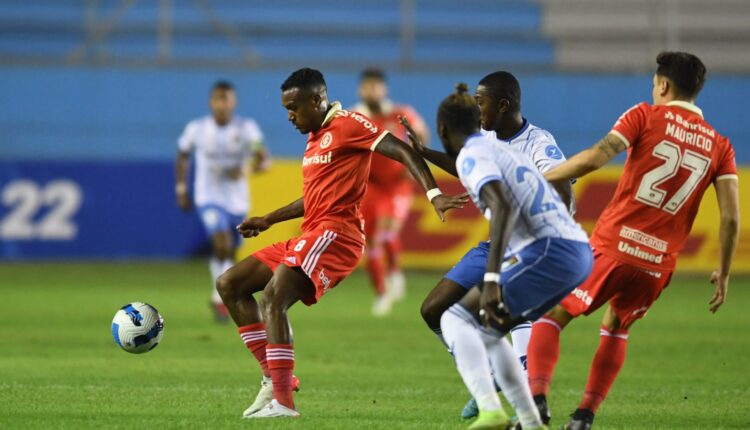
[(440, 159), (588, 160), (182, 164), (491, 298), (261, 160), (565, 189), (393, 148), (253, 226), (727, 195)]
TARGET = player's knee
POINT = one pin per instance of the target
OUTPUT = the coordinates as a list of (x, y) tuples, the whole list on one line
[(225, 285), (272, 302)]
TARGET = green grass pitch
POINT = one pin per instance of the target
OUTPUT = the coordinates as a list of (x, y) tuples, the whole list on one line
[(59, 367)]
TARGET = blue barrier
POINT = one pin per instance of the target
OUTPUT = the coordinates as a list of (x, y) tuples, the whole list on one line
[(93, 210)]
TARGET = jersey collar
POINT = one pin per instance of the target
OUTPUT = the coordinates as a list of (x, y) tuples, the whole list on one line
[(686, 105), (523, 129), (335, 108)]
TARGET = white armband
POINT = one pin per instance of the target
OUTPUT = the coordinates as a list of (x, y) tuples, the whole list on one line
[(492, 277), (434, 193)]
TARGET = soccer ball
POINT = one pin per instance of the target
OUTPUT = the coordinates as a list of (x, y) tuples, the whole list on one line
[(137, 327)]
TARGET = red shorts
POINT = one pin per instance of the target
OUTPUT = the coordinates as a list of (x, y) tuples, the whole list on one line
[(391, 202), (326, 257), (629, 290)]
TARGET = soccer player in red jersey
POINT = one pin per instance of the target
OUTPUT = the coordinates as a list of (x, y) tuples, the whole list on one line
[(673, 156), (389, 193), (334, 169)]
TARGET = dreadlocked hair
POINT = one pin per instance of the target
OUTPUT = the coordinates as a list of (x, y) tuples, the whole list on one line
[(459, 111)]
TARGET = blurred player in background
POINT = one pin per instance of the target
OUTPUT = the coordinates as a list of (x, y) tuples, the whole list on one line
[(335, 168), (544, 255), (389, 193), (674, 155), (227, 148)]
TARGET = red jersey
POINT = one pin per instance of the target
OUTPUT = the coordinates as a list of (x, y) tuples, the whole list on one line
[(335, 170), (673, 156), (385, 172)]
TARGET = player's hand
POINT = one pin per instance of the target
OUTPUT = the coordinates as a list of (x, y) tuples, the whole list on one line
[(414, 139), (720, 295), (183, 201), (444, 203), (491, 309), (253, 226)]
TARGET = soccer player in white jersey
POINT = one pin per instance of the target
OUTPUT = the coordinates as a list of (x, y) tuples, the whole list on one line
[(543, 251), (227, 148), (498, 97)]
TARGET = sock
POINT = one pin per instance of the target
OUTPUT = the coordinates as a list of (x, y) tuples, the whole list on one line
[(254, 336), (439, 333), (511, 378), (281, 367), (392, 245), (461, 332), (376, 270), (520, 335), (542, 354), (608, 360), (226, 264), (214, 264)]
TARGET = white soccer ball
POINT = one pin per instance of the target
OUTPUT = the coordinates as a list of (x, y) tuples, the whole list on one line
[(137, 327)]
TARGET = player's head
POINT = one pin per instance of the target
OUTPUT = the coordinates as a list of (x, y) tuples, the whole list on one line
[(498, 96), (373, 88), (457, 118), (679, 76), (303, 95), (222, 101)]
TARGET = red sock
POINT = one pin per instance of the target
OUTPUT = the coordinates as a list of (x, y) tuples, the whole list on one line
[(542, 354), (392, 246), (254, 336), (608, 360), (281, 365), (376, 270)]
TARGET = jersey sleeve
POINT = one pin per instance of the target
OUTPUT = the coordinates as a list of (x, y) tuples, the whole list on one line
[(253, 136), (476, 168), (359, 132), (631, 124), (186, 142), (544, 152), (727, 167)]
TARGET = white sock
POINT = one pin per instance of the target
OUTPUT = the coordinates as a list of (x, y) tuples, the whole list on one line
[(461, 333), (521, 335), (226, 264), (214, 264), (511, 378)]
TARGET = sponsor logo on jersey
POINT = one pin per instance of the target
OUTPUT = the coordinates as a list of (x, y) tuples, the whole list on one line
[(467, 166), (635, 251), (326, 141), (359, 118), (291, 259), (643, 238), (553, 152), (582, 296), (324, 279), (318, 159)]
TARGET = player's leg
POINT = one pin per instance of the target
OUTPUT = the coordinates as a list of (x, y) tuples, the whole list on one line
[(461, 332), (374, 252), (393, 224), (640, 290), (222, 245), (288, 286)]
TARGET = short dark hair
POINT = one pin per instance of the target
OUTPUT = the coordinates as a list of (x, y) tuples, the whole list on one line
[(503, 85), (372, 73), (685, 70), (222, 84), (459, 111), (304, 78)]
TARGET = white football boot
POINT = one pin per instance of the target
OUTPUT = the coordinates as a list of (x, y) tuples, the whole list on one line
[(264, 397), (275, 410), (382, 305)]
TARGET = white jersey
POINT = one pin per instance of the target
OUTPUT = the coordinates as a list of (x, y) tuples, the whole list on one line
[(220, 150), (537, 211)]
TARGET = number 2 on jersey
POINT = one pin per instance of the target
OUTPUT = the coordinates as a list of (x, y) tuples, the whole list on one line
[(537, 206), (649, 192)]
